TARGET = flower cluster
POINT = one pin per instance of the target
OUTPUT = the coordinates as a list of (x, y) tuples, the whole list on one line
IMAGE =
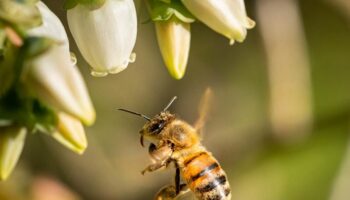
[(173, 18), (41, 89), (110, 26)]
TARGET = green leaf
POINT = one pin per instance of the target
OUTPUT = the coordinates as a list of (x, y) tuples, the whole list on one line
[(92, 4), (6, 78), (27, 111), (14, 108), (69, 4), (7, 62), (14, 59), (31, 48), (2, 41), (163, 10), (45, 119)]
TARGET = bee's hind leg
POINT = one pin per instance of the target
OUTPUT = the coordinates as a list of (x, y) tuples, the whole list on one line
[(169, 192), (177, 180)]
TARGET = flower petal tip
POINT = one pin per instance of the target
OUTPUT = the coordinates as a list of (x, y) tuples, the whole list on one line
[(98, 74), (250, 23), (4, 175), (115, 70), (178, 75), (11, 145), (70, 133), (89, 118), (74, 147), (132, 57)]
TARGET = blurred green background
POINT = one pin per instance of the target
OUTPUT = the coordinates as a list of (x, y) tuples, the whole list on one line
[(302, 154)]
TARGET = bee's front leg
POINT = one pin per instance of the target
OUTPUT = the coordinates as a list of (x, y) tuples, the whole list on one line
[(154, 167), (161, 157)]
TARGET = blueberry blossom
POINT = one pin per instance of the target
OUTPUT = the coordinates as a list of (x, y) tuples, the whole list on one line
[(227, 17), (105, 36), (53, 76)]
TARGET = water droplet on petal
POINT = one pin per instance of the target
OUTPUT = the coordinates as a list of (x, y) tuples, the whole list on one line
[(118, 69), (73, 58)]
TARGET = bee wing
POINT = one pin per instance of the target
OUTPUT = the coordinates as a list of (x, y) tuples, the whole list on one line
[(203, 110)]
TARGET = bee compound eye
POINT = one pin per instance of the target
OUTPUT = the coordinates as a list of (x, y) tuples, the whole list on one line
[(156, 128)]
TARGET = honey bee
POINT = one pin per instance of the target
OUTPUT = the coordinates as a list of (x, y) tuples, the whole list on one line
[(176, 141)]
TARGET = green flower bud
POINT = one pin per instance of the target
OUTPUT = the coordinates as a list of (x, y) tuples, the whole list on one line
[(174, 38), (11, 144)]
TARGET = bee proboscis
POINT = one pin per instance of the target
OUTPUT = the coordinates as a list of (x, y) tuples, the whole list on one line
[(175, 141)]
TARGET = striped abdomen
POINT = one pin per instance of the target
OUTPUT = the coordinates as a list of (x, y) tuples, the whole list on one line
[(205, 177)]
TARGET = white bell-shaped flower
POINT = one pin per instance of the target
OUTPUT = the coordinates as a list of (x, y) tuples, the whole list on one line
[(227, 17), (105, 36), (53, 76)]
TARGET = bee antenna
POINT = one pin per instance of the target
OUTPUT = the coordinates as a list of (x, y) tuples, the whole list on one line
[(135, 113), (170, 103)]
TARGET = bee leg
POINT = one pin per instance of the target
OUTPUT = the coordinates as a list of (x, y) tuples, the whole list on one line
[(177, 179), (169, 192), (161, 157), (154, 167)]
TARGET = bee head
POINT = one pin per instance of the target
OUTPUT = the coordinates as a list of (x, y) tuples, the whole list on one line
[(153, 128)]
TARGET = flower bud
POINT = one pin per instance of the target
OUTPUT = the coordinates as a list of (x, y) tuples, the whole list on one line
[(70, 132), (174, 38), (59, 84), (53, 77), (11, 145), (227, 17), (105, 36)]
